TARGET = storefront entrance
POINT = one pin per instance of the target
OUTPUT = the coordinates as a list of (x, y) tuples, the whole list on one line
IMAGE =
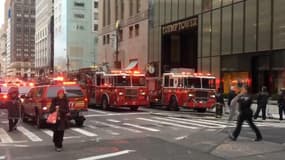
[(180, 45)]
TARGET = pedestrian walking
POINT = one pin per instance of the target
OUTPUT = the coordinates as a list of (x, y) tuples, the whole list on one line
[(14, 106), (281, 104), (245, 114), (262, 100), (60, 105)]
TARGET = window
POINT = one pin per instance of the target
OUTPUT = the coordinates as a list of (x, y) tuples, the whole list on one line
[(104, 40), (279, 25), (79, 4), (264, 26), (250, 26), (95, 4), (116, 10), (197, 4), (206, 35), (137, 29), (138, 6), (216, 32), (121, 35), (131, 8), (96, 16), (238, 28), (122, 9), (131, 28), (95, 27), (226, 32), (108, 39), (80, 16), (216, 3), (227, 2), (207, 5)]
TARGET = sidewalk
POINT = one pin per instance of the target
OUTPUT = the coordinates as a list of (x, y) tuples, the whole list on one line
[(220, 145)]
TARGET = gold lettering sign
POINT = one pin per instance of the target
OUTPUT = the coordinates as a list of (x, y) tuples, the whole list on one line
[(180, 26)]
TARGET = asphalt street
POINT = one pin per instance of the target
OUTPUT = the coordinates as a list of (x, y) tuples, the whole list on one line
[(148, 134)]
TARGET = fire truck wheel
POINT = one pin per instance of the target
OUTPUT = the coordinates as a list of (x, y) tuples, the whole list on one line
[(135, 108), (105, 105), (173, 106)]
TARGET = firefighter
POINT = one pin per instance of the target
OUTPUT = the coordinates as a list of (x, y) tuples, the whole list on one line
[(60, 105), (231, 96), (220, 102), (262, 100), (14, 106), (281, 104), (245, 114)]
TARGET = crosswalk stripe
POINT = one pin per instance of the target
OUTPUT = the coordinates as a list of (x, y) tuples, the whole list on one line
[(29, 134), (212, 121), (108, 131), (167, 123), (142, 127), (113, 120), (84, 132), (48, 132), (97, 111), (117, 127), (4, 136), (190, 122), (198, 123)]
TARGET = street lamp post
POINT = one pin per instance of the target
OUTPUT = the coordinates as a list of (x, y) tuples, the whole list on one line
[(67, 62)]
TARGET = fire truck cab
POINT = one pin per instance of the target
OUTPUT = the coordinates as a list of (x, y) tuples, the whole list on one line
[(119, 89), (184, 88)]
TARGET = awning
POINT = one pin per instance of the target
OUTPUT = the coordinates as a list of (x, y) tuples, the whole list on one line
[(133, 65)]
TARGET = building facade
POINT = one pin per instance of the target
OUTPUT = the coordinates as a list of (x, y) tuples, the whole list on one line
[(21, 38), (44, 37), (74, 38), (123, 32), (3, 41), (237, 40)]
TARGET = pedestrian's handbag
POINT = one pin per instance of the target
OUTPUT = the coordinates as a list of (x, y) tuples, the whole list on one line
[(52, 117)]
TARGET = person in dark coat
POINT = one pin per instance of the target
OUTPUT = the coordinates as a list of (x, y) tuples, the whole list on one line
[(14, 106), (245, 114), (220, 102), (60, 105), (262, 100), (231, 96), (281, 104)]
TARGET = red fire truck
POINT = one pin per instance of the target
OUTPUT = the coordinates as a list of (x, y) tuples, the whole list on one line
[(184, 88), (118, 89)]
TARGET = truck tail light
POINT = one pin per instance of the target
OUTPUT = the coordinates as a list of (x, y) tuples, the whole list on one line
[(45, 108), (5, 96), (86, 100), (121, 93)]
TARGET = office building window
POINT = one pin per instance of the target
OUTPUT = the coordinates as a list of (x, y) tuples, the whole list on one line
[(122, 9), (104, 40), (264, 25), (131, 5), (226, 30), (206, 40), (79, 16), (108, 39), (238, 28), (197, 5), (250, 26), (116, 10), (138, 6), (79, 4), (96, 16), (279, 25), (95, 27), (137, 29), (227, 2), (207, 5), (121, 35), (131, 29), (108, 12), (95, 4), (216, 3)]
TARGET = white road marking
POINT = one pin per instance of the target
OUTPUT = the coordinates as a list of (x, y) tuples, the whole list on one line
[(50, 133), (97, 111), (4, 136), (142, 127), (181, 138), (84, 132), (29, 134), (167, 123), (2, 157), (117, 127), (113, 120), (114, 114), (108, 131), (5, 122), (193, 122), (104, 156)]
